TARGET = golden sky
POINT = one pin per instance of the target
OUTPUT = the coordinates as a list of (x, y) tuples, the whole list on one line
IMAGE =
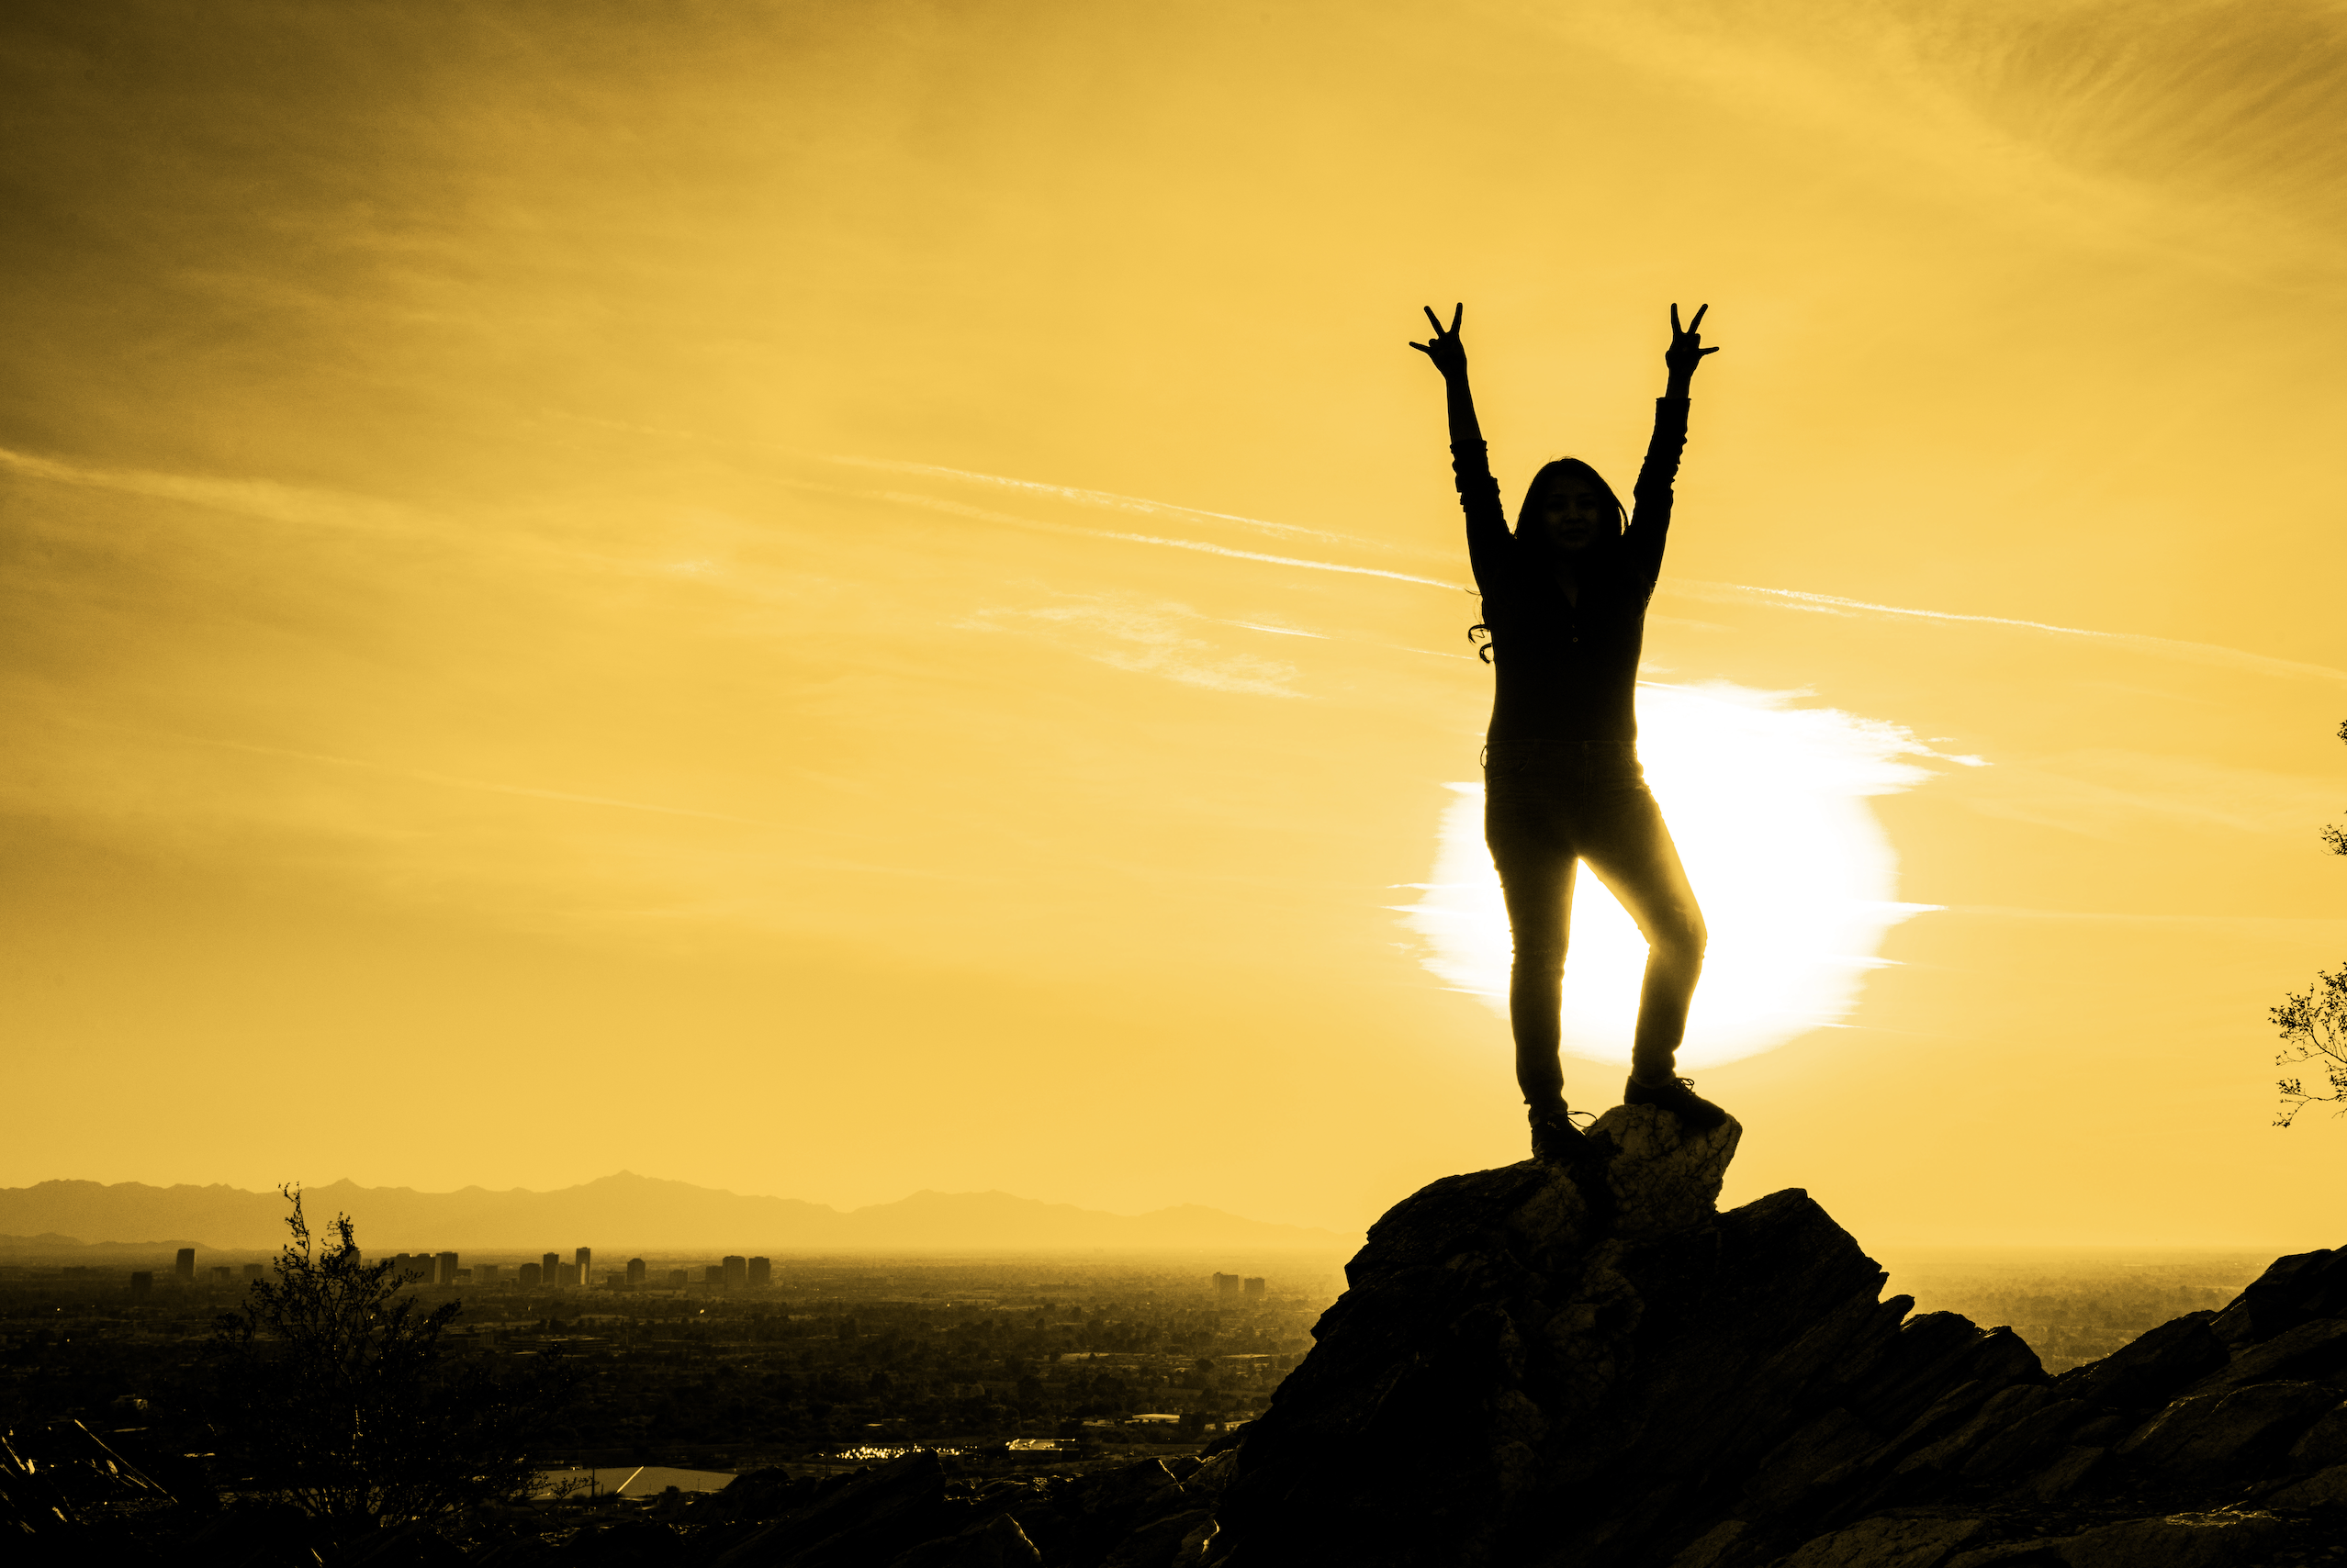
[(830, 599)]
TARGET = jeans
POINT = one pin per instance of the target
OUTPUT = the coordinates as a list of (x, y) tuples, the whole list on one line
[(1549, 805)]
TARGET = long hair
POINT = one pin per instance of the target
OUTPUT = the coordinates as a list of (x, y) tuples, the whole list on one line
[(1560, 471)]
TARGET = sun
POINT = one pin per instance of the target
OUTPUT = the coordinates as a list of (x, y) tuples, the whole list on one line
[(1768, 803)]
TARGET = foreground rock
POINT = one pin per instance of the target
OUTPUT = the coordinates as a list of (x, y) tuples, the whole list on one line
[(1538, 1368)]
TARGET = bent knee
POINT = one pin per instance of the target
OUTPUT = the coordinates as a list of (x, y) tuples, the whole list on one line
[(1681, 935)]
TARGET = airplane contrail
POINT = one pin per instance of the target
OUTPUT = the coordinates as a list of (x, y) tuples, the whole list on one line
[(1788, 598)]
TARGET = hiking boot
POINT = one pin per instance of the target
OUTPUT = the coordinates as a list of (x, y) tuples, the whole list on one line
[(1678, 1097), (1554, 1139)]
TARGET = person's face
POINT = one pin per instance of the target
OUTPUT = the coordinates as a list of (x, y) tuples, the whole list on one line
[(1575, 517)]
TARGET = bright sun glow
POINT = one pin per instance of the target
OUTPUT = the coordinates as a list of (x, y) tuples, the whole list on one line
[(1767, 805)]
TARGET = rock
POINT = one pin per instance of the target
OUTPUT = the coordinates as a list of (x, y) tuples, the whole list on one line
[(2221, 1539), (2066, 1474), (2305, 1353), (2292, 1291), (1537, 1367), (1713, 1547), (870, 1517), (1889, 1541), (996, 1543), (2039, 1553), (1518, 1375), (1196, 1546), (2325, 1442), (2213, 1433), (2324, 1489), (2151, 1370), (1157, 1544), (1662, 1177)]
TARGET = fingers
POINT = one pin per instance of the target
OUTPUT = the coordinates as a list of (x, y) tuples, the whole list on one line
[(1458, 313), (1697, 324), (1422, 348), (1713, 349), (1675, 329), (1434, 320)]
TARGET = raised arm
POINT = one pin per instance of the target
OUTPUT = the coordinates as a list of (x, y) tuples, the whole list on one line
[(1650, 500), (1486, 523)]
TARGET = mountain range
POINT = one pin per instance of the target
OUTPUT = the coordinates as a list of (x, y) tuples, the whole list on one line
[(618, 1213)]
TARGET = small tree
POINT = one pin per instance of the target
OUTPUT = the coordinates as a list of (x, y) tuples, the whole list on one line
[(333, 1395), (2314, 1026), (2314, 1023)]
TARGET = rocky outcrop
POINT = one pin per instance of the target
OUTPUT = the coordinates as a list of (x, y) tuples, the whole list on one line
[(1539, 1367)]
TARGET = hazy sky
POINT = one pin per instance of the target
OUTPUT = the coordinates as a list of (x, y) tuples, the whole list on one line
[(746, 592)]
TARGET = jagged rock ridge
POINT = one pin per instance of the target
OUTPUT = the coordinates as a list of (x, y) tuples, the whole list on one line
[(1534, 1367)]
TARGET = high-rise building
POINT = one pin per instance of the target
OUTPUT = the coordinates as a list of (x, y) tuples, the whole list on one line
[(586, 1257), (486, 1274), (736, 1271), (183, 1268), (446, 1273), (676, 1279), (715, 1275), (548, 1267), (530, 1275), (252, 1271), (1253, 1291), (222, 1273), (761, 1272), (635, 1273), (566, 1276), (1226, 1290)]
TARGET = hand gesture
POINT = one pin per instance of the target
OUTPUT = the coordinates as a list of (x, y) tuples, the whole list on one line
[(1444, 349), (1687, 350)]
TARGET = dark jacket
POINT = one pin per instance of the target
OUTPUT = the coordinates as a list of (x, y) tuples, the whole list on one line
[(1568, 671)]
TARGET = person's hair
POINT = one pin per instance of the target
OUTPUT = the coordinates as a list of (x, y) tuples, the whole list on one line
[(1551, 474), (1557, 473)]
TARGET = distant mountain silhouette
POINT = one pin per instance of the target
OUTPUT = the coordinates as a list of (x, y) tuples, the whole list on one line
[(623, 1212)]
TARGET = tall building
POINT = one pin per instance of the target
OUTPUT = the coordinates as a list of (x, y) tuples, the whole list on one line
[(252, 1271), (446, 1273), (1253, 1291), (221, 1273), (486, 1274), (716, 1276), (530, 1275), (676, 1279), (635, 1273), (736, 1271), (549, 1267), (1226, 1290), (586, 1257), (566, 1276), (183, 1268), (761, 1272)]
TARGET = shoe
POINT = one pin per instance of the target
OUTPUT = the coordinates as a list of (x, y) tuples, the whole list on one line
[(1555, 1140), (1679, 1098)]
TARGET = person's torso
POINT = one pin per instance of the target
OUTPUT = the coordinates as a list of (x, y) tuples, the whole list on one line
[(1566, 667)]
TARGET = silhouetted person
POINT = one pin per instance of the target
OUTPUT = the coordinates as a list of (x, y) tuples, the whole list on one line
[(1564, 612)]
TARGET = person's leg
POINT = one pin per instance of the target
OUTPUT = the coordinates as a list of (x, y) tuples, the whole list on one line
[(1628, 849), (1536, 865)]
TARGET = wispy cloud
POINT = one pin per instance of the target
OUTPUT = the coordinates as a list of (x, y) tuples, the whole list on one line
[(2158, 647), (1146, 640), (1111, 500)]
